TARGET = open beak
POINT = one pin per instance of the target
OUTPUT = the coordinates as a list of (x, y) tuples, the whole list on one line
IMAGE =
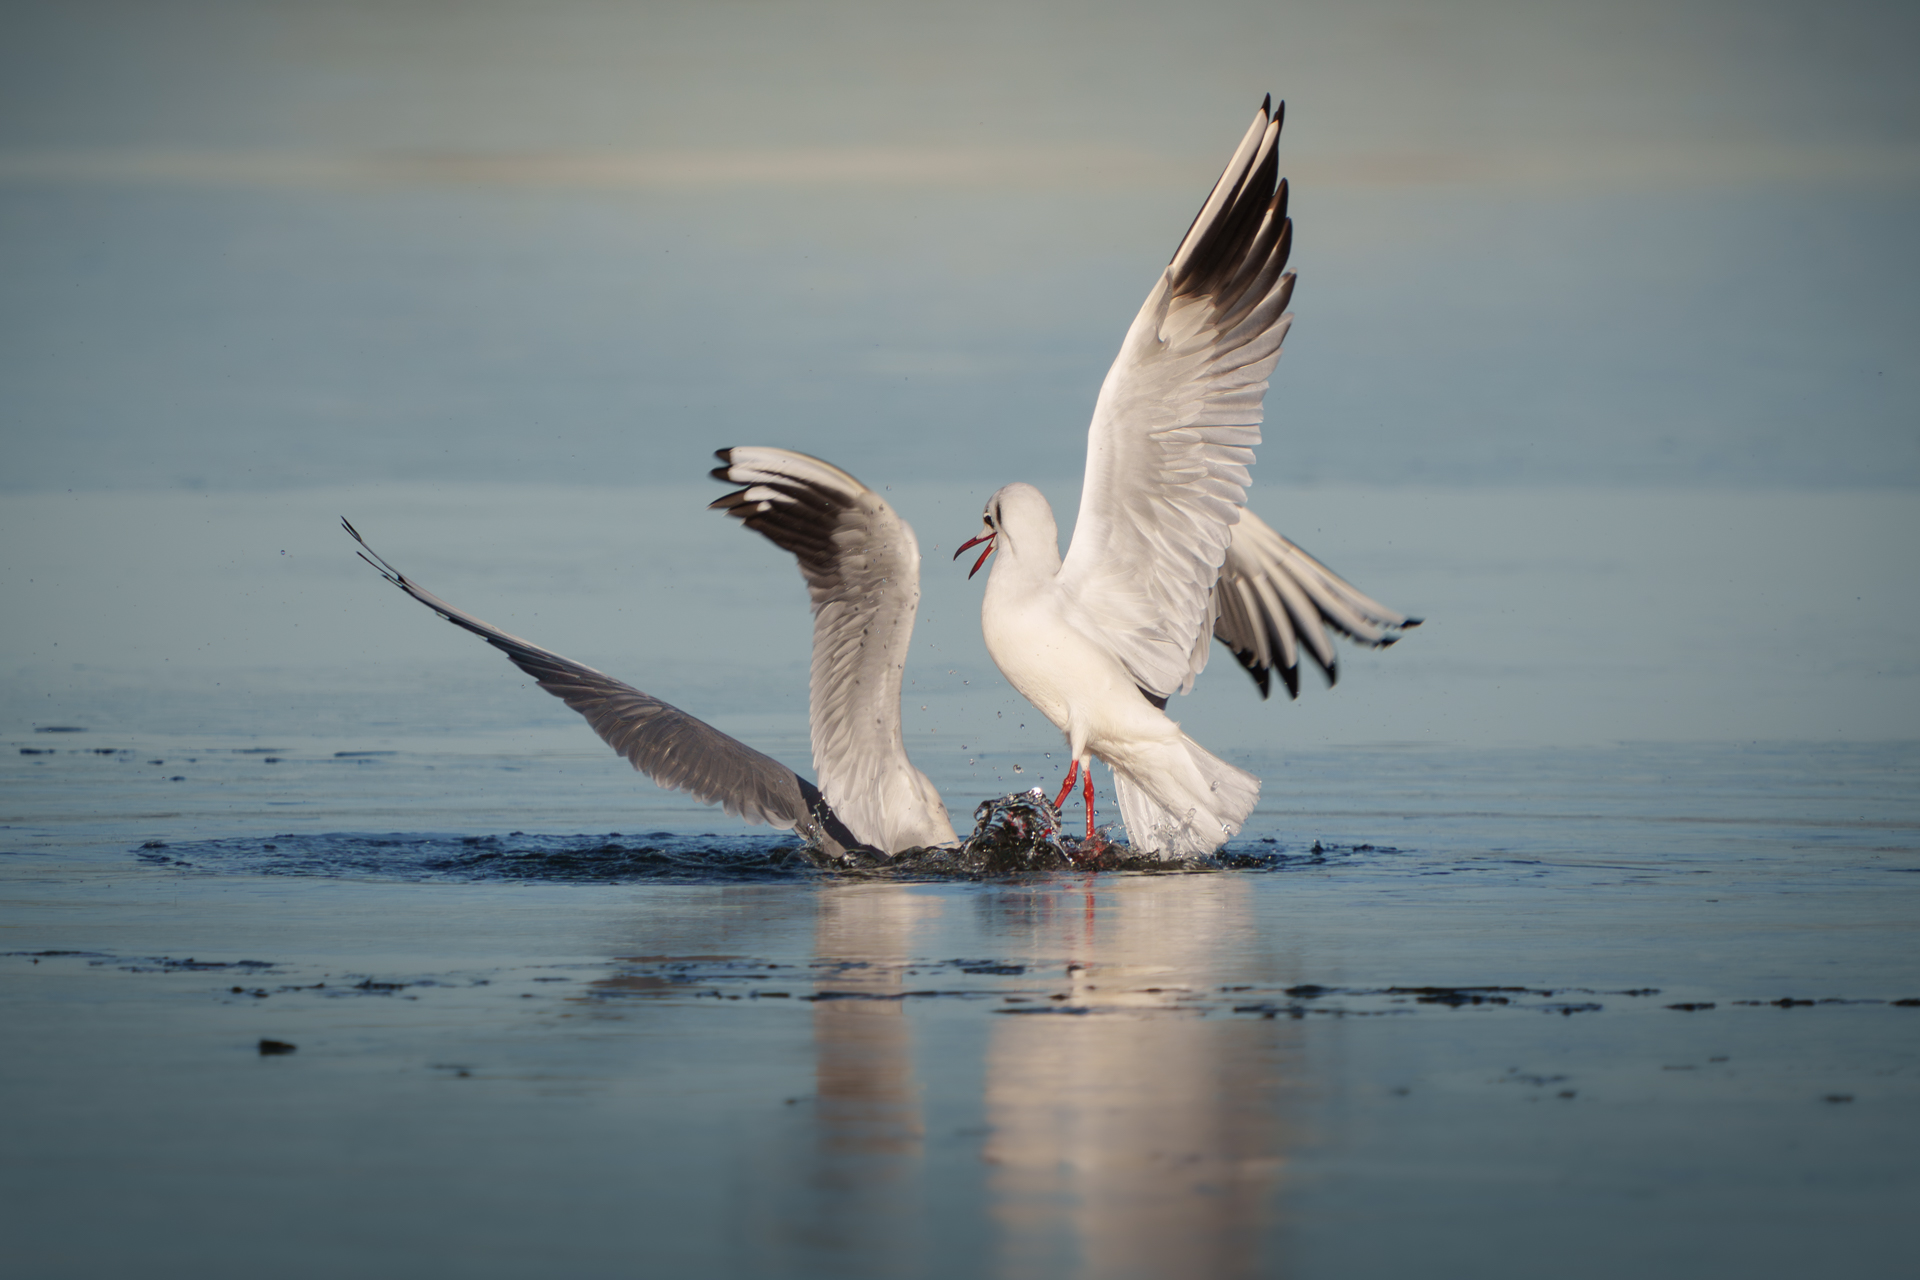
[(970, 543)]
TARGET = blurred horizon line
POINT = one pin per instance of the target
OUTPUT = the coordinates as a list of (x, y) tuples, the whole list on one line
[(1294, 485), (1691, 164)]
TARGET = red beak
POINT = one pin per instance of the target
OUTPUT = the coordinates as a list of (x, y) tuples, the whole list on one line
[(974, 542)]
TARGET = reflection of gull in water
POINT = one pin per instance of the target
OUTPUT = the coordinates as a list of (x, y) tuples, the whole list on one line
[(1128, 1134), (1099, 641), (862, 568)]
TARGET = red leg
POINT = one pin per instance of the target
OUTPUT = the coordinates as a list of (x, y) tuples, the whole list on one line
[(1089, 795), (1067, 790)]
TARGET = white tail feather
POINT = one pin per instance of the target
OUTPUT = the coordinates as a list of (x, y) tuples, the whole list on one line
[(1185, 805)]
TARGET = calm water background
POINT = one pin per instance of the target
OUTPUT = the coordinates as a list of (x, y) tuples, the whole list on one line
[(1603, 364)]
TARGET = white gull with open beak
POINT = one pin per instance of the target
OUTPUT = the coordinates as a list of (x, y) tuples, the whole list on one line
[(1099, 640)]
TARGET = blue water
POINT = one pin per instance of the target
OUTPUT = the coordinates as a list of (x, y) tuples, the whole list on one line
[(1626, 1009), (1572, 937)]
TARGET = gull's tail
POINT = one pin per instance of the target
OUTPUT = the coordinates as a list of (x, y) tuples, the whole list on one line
[(1181, 801)]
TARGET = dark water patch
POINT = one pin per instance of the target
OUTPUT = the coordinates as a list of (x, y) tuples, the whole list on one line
[(150, 964), (890, 995), (1303, 999), (652, 976), (515, 858), (1791, 1002), (1006, 845), (1013, 837), (1026, 989), (168, 964)]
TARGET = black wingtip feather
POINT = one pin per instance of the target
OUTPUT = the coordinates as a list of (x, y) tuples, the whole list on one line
[(1260, 672), (1223, 248)]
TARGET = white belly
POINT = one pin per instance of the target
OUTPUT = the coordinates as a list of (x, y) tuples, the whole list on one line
[(1074, 682)]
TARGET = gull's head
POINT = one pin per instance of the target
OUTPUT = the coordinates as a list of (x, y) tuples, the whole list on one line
[(1017, 518)]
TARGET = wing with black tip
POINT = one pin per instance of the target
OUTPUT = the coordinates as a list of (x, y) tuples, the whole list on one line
[(1274, 602), (1176, 423), (861, 564)]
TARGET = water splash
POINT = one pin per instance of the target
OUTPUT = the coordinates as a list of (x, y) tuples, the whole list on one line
[(1021, 834), (1014, 835), (519, 857)]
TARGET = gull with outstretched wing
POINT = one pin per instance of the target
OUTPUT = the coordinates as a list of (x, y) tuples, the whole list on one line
[(862, 569), (1163, 553)]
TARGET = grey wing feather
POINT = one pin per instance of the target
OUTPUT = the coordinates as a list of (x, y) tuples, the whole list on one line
[(1274, 601), (673, 748), (861, 564)]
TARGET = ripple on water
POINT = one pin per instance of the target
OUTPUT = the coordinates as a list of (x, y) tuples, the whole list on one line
[(1014, 836)]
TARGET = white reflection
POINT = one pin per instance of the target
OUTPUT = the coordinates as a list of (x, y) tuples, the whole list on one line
[(869, 1130), (1136, 1137)]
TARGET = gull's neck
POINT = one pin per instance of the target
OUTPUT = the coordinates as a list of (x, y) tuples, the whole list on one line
[(1028, 548)]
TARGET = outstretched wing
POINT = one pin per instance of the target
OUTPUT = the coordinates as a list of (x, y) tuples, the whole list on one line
[(1274, 600), (862, 568), (1174, 429), (665, 743)]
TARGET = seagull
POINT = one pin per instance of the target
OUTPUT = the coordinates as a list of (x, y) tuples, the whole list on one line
[(862, 569), (861, 564), (1164, 552)]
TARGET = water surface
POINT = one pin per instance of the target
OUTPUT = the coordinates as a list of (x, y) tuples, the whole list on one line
[(1626, 1009)]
